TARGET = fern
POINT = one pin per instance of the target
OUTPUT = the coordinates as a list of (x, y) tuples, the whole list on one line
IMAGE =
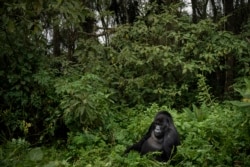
[(203, 95)]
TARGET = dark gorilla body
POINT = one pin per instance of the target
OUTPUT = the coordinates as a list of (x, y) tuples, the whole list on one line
[(162, 136)]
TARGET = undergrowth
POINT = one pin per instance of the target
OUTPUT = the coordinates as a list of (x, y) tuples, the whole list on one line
[(210, 136)]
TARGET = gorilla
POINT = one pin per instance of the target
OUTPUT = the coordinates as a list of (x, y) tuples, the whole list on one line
[(162, 136)]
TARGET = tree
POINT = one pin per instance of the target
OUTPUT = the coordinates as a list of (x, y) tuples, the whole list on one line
[(125, 11), (236, 12)]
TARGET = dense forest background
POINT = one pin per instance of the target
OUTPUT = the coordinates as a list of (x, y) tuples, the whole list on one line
[(81, 80)]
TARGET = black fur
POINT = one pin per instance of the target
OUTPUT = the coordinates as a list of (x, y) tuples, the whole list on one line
[(162, 136)]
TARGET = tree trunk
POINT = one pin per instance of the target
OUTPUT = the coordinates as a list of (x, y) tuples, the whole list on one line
[(228, 10), (215, 12), (56, 41), (194, 8), (229, 59)]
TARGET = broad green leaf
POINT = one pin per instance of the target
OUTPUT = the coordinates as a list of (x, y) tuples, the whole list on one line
[(36, 154)]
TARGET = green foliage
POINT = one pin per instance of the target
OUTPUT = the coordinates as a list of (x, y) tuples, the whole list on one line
[(19, 153), (29, 101), (245, 93), (36, 154), (161, 60), (220, 139), (210, 136), (200, 114), (18, 59), (84, 101), (24, 78), (203, 95)]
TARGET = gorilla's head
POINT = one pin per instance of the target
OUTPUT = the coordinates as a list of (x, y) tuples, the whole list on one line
[(161, 123)]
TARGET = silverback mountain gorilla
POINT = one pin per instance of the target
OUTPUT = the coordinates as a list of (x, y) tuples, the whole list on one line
[(162, 136)]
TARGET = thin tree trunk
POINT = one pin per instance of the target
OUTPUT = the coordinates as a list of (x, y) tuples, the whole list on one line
[(229, 9), (56, 41), (215, 13), (204, 12), (229, 59), (194, 8)]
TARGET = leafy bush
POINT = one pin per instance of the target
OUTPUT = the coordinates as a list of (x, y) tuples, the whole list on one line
[(19, 152), (210, 136), (159, 62), (84, 101), (27, 94), (219, 138)]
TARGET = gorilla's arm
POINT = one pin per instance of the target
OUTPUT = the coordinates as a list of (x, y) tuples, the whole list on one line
[(171, 140), (137, 146)]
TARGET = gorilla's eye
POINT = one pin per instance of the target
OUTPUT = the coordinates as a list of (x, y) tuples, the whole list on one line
[(158, 122)]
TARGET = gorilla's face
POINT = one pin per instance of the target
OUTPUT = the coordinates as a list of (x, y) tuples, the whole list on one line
[(158, 131), (160, 125)]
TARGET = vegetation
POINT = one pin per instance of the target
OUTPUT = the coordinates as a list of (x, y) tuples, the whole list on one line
[(82, 80)]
